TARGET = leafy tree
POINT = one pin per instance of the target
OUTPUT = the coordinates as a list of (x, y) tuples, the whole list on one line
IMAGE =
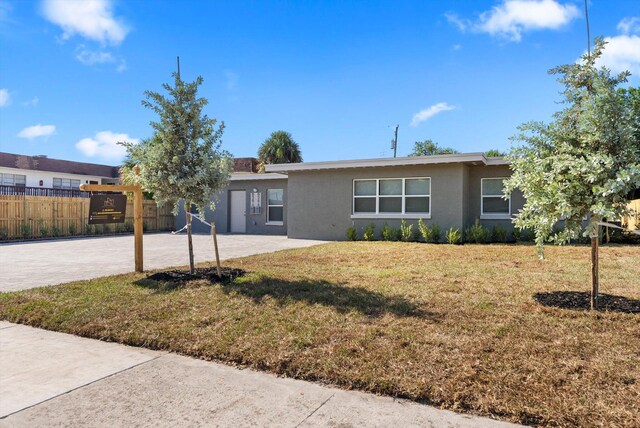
[(632, 96), (633, 99), (183, 159), (279, 148), (429, 148), (494, 153), (584, 163)]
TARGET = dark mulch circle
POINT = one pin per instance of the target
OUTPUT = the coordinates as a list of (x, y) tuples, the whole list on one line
[(581, 301), (210, 274)]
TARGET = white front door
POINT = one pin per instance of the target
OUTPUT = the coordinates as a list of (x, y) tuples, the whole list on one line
[(238, 211)]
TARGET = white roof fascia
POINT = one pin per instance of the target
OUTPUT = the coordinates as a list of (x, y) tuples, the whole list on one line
[(369, 163), (497, 161), (249, 176)]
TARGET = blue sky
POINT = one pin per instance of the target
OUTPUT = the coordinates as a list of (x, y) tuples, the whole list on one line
[(338, 75)]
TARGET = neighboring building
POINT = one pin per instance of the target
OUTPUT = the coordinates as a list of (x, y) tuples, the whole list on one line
[(320, 200), (41, 172), (245, 165)]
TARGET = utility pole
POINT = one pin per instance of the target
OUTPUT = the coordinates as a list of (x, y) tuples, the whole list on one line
[(178, 60), (586, 13), (395, 142)]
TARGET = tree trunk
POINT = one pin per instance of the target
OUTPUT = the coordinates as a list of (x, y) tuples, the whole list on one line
[(215, 246), (594, 270), (192, 268)]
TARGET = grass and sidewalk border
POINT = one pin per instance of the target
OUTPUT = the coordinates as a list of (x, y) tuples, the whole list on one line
[(454, 326)]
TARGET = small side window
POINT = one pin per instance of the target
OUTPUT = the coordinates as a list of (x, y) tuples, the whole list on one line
[(493, 202), (275, 206)]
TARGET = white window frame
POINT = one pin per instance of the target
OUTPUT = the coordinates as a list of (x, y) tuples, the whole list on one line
[(269, 205), (62, 186), (377, 197), (14, 179), (493, 216)]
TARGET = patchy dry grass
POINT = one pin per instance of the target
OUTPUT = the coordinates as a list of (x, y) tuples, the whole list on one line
[(456, 326)]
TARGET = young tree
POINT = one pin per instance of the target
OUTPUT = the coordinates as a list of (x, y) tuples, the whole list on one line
[(183, 159), (279, 148), (582, 164), (429, 148), (632, 96)]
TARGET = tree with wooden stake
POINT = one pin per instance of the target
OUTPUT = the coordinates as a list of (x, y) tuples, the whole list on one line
[(581, 165), (183, 159)]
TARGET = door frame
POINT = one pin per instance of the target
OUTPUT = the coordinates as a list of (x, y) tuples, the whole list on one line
[(244, 210)]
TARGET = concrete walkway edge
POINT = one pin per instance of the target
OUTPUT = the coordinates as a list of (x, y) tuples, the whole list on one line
[(86, 382)]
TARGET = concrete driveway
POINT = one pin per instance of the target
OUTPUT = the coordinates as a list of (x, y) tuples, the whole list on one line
[(38, 263)]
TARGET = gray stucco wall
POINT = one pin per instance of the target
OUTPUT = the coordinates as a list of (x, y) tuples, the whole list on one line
[(320, 202), (465, 196), (255, 223), (476, 174)]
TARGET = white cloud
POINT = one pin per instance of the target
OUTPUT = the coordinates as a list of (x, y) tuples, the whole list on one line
[(629, 25), (621, 53), (105, 145), (5, 97), (89, 57), (513, 17), (37, 131), (429, 112), (32, 102), (92, 19), (460, 23)]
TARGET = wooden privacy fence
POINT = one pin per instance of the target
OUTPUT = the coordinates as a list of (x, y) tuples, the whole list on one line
[(633, 221), (23, 216)]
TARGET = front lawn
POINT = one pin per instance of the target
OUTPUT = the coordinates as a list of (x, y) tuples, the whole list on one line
[(469, 328)]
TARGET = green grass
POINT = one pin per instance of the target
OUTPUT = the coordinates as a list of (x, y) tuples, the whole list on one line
[(455, 326)]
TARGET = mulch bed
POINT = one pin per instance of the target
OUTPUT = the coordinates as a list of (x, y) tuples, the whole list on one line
[(581, 301), (210, 274)]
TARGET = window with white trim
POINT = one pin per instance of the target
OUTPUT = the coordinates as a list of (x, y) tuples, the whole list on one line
[(275, 206), (392, 196), (13, 179), (492, 203), (65, 183)]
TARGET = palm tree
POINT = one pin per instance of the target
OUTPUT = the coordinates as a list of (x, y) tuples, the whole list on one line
[(278, 148)]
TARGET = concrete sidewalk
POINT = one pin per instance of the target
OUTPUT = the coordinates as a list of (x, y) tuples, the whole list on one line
[(54, 379), (34, 264)]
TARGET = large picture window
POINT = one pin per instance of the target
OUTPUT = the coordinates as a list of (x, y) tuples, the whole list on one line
[(275, 206), (492, 202), (65, 183), (13, 179), (392, 197)]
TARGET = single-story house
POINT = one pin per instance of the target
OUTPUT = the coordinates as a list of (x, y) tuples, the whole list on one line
[(320, 200)]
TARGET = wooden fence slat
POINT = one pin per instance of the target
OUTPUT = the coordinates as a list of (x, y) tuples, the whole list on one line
[(35, 216), (633, 221)]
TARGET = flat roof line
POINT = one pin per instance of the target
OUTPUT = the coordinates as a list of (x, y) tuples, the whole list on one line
[(256, 176), (382, 162)]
